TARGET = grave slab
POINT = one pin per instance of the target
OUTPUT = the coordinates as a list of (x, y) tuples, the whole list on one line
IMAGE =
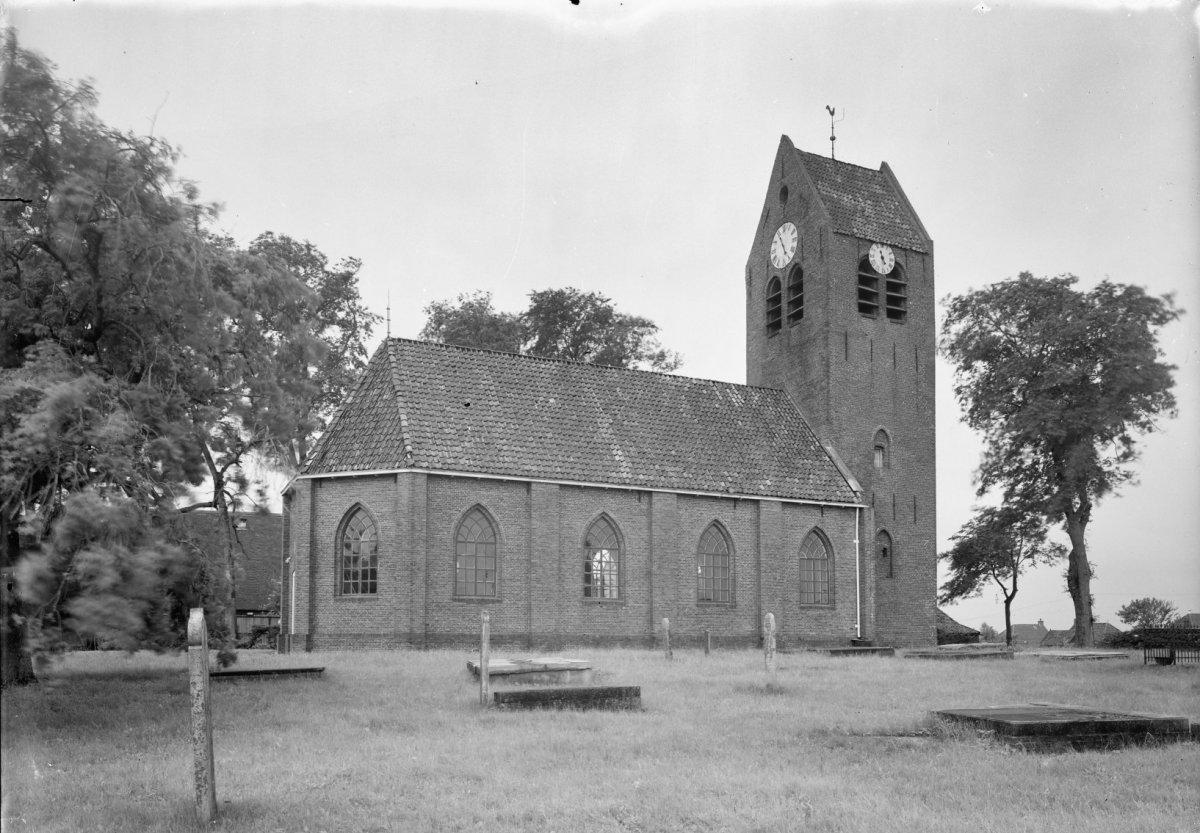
[(261, 673), (611, 698), (535, 670), (956, 652), (1052, 726), (859, 651)]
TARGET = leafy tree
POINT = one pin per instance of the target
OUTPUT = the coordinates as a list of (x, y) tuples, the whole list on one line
[(558, 323), (995, 547), (584, 326), (987, 633), (1061, 382), (472, 321), (1148, 612), (141, 357)]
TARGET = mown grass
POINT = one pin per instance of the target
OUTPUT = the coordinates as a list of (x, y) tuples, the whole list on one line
[(396, 741)]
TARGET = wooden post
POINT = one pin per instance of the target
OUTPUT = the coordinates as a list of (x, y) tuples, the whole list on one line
[(202, 749), (485, 650), (769, 644), (707, 642), (667, 636)]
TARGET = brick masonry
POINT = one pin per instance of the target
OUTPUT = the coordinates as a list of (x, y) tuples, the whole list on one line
[(540, 601), (850, 375)]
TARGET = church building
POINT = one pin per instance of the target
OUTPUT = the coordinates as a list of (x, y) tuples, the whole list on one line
[(582, 504)]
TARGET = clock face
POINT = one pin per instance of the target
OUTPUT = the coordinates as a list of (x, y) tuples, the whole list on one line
[(882, 259), (783, 245)]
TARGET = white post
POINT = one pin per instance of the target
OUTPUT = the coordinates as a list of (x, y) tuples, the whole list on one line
[(485, 650), (769, 644), (202, 750)]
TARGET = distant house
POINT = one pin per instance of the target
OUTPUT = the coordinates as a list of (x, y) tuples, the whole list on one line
[(256, 556), (950, 632), (1190, 620), (1028, 636), (1102, 632)]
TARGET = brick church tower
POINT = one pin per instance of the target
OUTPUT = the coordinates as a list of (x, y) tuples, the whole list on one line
[(840, 315)]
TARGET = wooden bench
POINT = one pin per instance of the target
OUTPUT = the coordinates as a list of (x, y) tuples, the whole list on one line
[(1167, 646)]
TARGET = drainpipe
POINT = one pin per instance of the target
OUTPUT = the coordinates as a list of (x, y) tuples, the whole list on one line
[(857, 580), (292, 613)]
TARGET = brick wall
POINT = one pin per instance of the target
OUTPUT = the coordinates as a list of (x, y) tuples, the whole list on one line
[(851, 375), (540, 601)]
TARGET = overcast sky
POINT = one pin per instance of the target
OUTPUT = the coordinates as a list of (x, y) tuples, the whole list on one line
[(455, 148)]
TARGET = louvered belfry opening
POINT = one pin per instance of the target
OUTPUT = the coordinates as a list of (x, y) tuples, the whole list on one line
[(774, 307)]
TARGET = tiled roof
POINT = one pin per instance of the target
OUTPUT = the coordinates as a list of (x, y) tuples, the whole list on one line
[(445, 408), (947, 624), (863, 202), (261, 540)]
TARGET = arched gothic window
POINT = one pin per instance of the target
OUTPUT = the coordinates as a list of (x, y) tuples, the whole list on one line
[(475, 555), (885, 553), (714, 566), (774, 307), (896, 294), (795, 295), (357, 554), (816, 570), (883, 450), (602, 561)]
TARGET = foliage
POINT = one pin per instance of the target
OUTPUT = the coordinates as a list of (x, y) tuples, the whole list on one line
[(472, 321), (1148, 612), (558, 323), (995, 547), (141, 356), (987, 633), (1061, 382)]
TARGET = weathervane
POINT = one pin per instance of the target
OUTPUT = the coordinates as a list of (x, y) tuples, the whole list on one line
[(389, 313), (832, 135)]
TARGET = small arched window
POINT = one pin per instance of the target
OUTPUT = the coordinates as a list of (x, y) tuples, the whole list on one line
[(357, 554), (475, 556), (795, 295), (602, 561), (714, 566), (885, 553), (816, 570), (883, 450), (774, 307)]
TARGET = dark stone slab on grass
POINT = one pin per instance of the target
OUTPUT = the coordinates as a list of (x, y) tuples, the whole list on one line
[(1049, 726), (860, 651), (610, 697), (262, 673)]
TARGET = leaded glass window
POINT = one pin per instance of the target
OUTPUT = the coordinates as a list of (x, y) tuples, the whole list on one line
[(358, 554), (475, 556), (816, 574), (602, 561), (714, 567), (774, 307)]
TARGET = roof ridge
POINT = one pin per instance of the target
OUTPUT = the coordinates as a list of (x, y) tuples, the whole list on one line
[(839, 161), (405, 433), (577, 362)]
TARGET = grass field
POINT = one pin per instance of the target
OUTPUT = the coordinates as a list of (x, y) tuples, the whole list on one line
[(397, 741)]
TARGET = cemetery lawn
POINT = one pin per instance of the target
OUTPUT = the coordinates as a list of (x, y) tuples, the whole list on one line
[(396, 741)]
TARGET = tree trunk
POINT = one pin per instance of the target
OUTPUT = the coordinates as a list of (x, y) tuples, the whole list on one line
[(16, 663), (1008, 621), (1079, 582)]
